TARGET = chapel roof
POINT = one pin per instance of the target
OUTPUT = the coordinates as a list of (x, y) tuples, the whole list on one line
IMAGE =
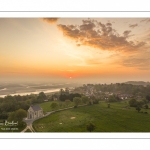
[(36, 107)]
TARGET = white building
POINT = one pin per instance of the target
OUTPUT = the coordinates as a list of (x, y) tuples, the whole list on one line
[(34, 112)]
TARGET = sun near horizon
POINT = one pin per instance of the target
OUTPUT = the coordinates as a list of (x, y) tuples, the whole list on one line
[(114, 49)]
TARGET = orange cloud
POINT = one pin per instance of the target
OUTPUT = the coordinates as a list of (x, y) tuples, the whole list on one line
[(147, 20), (133, 25), (51, 20), (99, 35)]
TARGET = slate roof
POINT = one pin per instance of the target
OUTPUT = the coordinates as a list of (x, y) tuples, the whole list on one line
[(36, 108)]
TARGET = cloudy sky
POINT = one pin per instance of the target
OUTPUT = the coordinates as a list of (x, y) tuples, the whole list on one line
[(92, 49)]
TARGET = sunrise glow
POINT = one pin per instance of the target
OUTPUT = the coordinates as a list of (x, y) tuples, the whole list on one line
[(101, 49)]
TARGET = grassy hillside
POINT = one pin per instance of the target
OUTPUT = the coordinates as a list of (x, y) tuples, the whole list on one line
[(117, 118), (46, 106)]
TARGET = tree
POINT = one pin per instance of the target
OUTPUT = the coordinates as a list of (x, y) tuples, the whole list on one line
[(3, 115), (145, 101), (148, 98), (146, 106), (42, 94), (12, 117), (67, 102), (67, 91), (112, 98), (90, 103), (63, 97), (140, 104), (54, 105), (90, 127), (77, 100), (72, 95), (95, 101), (85, 99), (18, 115), (18, 97), (1, 99), (138, 108), (62, 91), (41, 97), (132, 103), (9, 98)]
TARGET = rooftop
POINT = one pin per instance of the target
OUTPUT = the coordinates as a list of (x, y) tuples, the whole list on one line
[(36, 107)]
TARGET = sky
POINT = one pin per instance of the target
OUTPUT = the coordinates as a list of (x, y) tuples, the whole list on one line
[(101, 50)]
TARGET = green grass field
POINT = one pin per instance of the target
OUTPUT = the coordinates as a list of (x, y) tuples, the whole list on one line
[(117, 118), (46, 106)]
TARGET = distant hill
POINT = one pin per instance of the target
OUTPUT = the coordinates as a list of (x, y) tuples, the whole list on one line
[(138, 83)]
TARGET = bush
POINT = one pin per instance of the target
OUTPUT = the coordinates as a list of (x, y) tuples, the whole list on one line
[(77, 101), (67, 102), (54, 105), (89, 103), (95, 102), (138, 109), (85, 99), (3, 115), (114, 98), (132, 103), (90, 127), (146, 106)]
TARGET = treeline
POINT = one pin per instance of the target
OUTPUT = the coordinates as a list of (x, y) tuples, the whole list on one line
[(12, 103), (64, 97)]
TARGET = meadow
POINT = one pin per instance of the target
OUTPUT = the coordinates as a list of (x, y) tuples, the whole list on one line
[(118, 118), (46, 106)]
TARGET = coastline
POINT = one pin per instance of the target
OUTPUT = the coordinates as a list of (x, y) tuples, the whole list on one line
[(36, 92)]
